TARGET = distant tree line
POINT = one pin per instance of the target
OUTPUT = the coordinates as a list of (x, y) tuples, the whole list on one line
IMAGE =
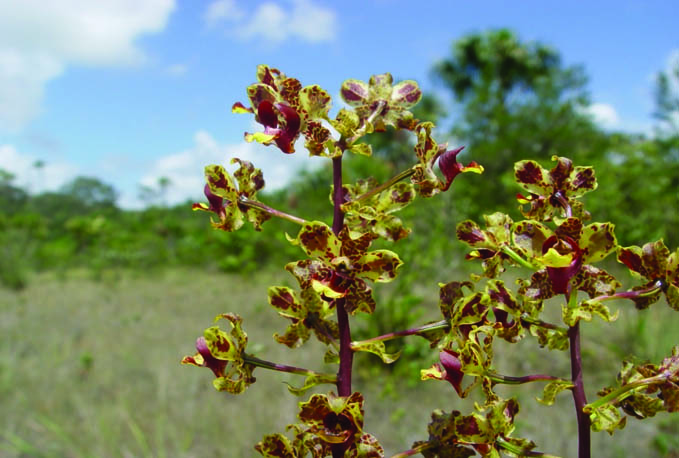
[(513, 100)]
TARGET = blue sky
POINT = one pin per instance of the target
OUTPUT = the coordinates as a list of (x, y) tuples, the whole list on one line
[(129, 91)]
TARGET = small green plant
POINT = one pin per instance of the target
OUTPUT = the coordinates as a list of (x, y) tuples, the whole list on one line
[(551, 250)]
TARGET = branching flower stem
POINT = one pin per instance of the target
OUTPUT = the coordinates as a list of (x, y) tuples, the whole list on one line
[(579, 397), (443, 324), (511, 380), (346, 354), (518, 451), (415, 450), (249, 359), (633, 294), (516, 257), (525, 319), (386, 185), (271, 211), (625, 391)]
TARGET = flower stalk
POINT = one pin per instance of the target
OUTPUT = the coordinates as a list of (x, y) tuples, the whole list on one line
[(253, 360), (443, 324), (271, 211)]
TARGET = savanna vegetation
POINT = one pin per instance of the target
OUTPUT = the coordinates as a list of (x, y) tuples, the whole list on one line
[(99, 302)]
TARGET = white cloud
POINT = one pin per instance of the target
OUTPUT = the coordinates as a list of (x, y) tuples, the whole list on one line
[(604, 115), (177, 69), (274, 23), (40, 38), (185, 168), (222, 10), (50, 176)]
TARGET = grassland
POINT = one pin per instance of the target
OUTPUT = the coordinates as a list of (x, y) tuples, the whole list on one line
[(91, 369)]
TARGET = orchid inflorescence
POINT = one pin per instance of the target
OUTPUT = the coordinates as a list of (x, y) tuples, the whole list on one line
[(553, 243)]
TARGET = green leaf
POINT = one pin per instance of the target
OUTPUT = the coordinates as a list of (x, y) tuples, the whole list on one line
[(377, 348), (552, 389)]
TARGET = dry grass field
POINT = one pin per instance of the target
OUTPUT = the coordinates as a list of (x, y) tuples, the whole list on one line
[(91, 369)]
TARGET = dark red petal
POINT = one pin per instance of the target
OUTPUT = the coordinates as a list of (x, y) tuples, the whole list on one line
[(217, 366), (216, 202), (291, 117), (266, 114), (451, 363), (561, 276), (449, 165)]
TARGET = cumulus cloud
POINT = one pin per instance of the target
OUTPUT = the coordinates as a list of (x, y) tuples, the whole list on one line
[(184, 169), (33, 174), (40, 38), (300, 19), (604, 115)]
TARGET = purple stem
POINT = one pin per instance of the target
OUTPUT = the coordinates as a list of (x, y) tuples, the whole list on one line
[(408, 332), (277, 367), (346, 354), (579, 397), (633, 294), (512, 380)]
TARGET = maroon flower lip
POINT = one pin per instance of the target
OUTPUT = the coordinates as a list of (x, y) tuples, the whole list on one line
[(217, 366), (561, 276), (451, 363), (281, 121)]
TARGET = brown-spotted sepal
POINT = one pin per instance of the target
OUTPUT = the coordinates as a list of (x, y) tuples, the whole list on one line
[(427, 151), (658, 268), (486, 432), (641, 391), (339, 420), (288, 110), (223, 354), (376, 213), (553, 193), (225, 197), (307, 312), (344, 264), (380, 103), (489, 244), (564, 255)]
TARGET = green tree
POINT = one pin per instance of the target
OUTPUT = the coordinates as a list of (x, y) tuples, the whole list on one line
[(12, 198), (517, 99), (92, 192)]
